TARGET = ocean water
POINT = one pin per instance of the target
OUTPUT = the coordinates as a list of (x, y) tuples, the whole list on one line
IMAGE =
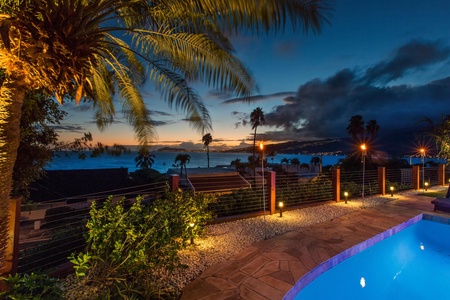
[(166, 160)]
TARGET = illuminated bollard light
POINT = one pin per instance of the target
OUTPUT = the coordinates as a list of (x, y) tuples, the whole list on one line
[(191, 229), (392, 191), (346, 197), (280, 205)]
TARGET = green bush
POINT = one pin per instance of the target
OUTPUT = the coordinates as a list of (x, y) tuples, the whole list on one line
[(240, 201), (34, 286), (127, 249)]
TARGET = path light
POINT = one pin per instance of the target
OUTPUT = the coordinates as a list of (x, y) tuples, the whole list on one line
[(191, 230), (364, 153), (392, 191), (426, 186), (280, 205), (346, 197)]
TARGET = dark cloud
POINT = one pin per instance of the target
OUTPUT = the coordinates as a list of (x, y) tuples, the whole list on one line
[(159, 113), (412, 56), (322, 108), (69, 128), (259, 98)]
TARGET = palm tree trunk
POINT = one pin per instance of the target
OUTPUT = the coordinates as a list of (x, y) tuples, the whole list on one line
[(11, 100)]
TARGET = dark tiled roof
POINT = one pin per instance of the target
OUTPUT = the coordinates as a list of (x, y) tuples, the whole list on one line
[(224, 182)]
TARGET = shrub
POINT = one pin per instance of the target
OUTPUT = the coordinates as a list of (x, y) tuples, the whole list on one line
[(128, 249), (34, 286)]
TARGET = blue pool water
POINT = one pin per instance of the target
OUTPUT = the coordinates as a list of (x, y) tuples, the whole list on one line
[(412, 261)]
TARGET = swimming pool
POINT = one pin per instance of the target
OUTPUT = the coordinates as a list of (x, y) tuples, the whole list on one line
[(409, 261)]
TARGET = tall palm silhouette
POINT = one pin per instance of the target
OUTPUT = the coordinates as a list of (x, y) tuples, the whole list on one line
[(372, 128), (207, 139), (295, 162), (183, 159), (355, 126), (145, 159), (272, 155), (237, 164), (315, 160), (256, 119), (93, 50)]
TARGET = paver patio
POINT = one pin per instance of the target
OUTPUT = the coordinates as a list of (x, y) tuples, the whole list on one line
[(268, 269)]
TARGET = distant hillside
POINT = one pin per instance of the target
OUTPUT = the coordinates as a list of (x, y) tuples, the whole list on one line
[(395, 143), (323, 147), (171, 149)]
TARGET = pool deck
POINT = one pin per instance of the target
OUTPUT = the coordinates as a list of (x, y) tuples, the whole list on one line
[(268, 269)]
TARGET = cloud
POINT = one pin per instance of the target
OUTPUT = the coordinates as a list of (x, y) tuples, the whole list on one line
[(69, 128), (322, 108), (257, 98), (412, 56)]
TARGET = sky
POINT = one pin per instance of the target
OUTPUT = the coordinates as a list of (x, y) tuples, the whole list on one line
[(386, 60)]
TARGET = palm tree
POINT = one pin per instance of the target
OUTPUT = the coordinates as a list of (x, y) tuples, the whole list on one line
[(355, 126), (145, 159), (237, 164), (92, 50), (295, 162), (315, 160), (372, 128), (284, 160), (183, 159), (256, 119), (207, 139), (272, 155)]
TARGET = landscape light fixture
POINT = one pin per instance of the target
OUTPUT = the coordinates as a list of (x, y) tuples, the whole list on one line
[(280, 205), (364, 153), (392, 191), (426, 186), (191, 229), (346, 197)]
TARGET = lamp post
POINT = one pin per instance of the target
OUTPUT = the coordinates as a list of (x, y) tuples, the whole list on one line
[(261, 146), (346, 197), (422, 154), (392, 191), (364, 152)]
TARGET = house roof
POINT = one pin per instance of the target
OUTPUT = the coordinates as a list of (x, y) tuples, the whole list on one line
[(210, 180), (224, 182)]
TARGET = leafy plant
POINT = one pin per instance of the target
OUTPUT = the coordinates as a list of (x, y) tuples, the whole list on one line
[(34, 286), (128, 248)]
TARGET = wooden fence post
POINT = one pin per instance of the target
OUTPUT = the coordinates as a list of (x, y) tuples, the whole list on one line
[(416, 177), (12, 248), (336, 176), (174, 182)]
